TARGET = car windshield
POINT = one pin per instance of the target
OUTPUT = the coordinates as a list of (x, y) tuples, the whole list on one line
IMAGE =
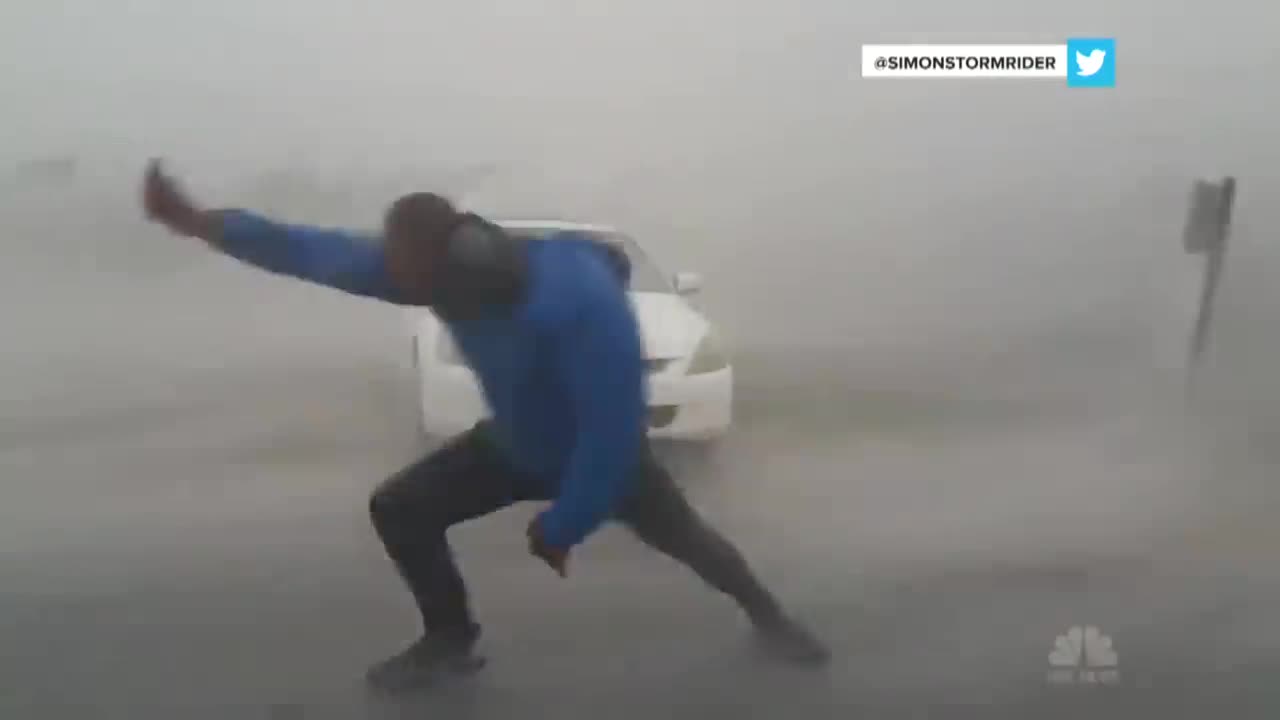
[(645, 275)]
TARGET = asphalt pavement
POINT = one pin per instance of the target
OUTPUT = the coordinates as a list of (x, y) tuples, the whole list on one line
[(184, 532)]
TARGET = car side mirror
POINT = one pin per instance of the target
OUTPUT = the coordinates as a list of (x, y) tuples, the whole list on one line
[(687, 283)]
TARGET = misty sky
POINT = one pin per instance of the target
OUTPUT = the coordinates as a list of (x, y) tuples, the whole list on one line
[(735, 136)]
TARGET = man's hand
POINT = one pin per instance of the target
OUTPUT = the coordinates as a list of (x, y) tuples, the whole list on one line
[(555, 558), (166, 203)]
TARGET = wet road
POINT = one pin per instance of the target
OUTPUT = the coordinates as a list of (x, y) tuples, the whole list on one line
[(183, 532)]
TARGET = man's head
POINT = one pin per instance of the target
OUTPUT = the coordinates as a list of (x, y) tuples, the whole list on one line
[(416, 231), (452, 261)]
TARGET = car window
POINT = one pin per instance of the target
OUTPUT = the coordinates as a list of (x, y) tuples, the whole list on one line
[(645, 274)]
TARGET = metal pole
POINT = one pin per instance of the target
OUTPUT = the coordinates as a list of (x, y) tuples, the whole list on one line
[(1216, 253)]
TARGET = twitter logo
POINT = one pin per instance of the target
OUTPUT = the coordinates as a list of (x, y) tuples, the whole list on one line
[(1091, 62)]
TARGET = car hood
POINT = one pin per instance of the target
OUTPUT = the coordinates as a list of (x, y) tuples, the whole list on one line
[(670, 328)]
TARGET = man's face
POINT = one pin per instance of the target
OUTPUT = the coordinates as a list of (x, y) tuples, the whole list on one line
[(409, 263)]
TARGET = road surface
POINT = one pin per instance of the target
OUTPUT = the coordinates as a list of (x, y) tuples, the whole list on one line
[(183, 533)]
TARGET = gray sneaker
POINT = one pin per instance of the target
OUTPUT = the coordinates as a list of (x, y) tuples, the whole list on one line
[(423, 662)]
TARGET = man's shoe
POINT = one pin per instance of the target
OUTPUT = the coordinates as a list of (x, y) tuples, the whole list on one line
[(424, 661), (792, 642)]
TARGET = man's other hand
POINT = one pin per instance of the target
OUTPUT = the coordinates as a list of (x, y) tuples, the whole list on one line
[(166, 203), (555, 558)]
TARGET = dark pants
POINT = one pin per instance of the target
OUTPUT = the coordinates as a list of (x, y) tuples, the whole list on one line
[(468, 478)]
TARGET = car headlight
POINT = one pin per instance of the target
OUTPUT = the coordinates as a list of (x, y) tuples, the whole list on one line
[(708, 357), (447, 350)]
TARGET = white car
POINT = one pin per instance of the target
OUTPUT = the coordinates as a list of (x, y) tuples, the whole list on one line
[(690, 380)]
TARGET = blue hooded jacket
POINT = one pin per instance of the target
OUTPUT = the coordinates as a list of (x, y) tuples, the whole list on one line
[(562, 371)]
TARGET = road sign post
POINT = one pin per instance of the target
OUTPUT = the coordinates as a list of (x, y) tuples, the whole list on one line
[(1208, 226)]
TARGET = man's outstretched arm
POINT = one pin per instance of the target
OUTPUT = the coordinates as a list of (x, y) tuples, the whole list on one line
[(338, 259), (334, 258)]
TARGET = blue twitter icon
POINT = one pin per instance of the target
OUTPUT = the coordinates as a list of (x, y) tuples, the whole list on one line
[(1091, 62)]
